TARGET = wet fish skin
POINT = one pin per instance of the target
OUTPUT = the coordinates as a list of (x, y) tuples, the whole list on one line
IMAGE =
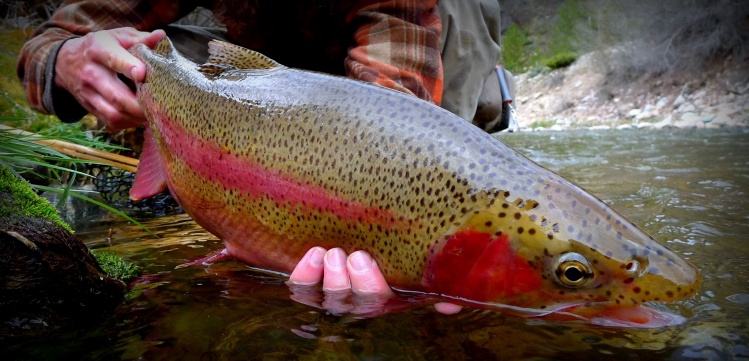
[(274, 160)]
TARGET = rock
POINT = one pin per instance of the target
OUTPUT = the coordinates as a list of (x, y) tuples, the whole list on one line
[(665, 123), (633, 113), (690, 120), (661, 103), (699, 95), (645, 125), (726, 116), (589, 92), (679, 101), (624, 127), (645, 114), (687, 108), (48, 278)]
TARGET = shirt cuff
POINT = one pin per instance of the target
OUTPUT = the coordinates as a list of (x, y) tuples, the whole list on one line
[(56, 100)]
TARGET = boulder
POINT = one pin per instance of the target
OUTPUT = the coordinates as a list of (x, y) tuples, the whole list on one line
[(48, 277)]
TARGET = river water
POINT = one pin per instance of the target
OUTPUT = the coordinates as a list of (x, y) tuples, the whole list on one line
[(687, 188)]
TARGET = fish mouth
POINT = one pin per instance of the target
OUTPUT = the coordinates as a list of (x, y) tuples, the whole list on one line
[(605, 314), (609, 315)]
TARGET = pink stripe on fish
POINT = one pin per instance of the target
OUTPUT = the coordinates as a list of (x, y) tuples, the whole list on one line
[(253, 180)]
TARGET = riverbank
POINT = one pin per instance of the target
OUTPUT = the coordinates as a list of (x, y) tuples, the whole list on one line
[(582, 96)]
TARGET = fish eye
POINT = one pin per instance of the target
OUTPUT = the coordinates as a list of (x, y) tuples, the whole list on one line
[(572, 270), (633, 266)]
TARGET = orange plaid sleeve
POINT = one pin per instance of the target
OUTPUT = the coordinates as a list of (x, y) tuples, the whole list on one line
[(74, 18), (397, 46)]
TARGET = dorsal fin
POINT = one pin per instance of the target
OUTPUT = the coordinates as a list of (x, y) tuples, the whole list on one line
[(225, 56), (164, 47)]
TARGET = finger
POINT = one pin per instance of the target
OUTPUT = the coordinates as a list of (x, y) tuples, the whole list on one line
[(335, 274), (106, 96), (447, 308), (309, 271), (113, 50), (102, 109), (117, 93), (107, 51), (366, 277), (152, 38), (138, 73)]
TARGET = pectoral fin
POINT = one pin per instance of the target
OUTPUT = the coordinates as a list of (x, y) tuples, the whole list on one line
[(150, 179)]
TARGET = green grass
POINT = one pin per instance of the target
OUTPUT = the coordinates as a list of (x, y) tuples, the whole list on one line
[(10, 47), (516, 48), (546, 123), (550, 44), (115, 266), (559, 60)]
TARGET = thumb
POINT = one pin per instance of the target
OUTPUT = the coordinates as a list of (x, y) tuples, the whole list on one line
[(131, 66)]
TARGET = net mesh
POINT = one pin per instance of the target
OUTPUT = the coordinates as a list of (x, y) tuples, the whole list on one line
[(114, 186)]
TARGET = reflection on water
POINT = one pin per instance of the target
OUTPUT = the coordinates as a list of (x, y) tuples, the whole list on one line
[(687, 188)]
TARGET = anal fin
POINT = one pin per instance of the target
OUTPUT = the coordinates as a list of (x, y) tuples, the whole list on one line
[(210, 258)]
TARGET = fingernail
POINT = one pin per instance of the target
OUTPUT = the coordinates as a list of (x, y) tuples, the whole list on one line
[(335, 259), (360, 261), (316, 257), (132, 73)]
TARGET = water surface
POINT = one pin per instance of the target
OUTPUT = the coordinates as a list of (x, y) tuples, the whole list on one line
[(686, 188)]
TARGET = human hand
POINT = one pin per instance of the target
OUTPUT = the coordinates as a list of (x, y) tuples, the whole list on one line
[(341, 275), (87, 67)]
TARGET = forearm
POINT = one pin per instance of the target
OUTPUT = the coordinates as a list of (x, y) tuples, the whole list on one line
[(35, 70), (397, 46)]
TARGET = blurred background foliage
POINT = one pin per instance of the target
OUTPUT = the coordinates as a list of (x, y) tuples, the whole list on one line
[(635, 37)]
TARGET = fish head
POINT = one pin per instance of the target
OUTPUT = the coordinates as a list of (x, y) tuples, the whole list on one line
[(561, 248), (161, 53)]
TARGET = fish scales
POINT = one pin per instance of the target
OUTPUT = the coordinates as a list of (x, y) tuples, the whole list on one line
[(275, 160)]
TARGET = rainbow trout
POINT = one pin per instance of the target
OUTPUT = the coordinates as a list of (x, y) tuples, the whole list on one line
[(274, 160)]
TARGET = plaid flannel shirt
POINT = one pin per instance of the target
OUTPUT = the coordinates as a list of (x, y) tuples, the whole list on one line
[(393, 43)]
